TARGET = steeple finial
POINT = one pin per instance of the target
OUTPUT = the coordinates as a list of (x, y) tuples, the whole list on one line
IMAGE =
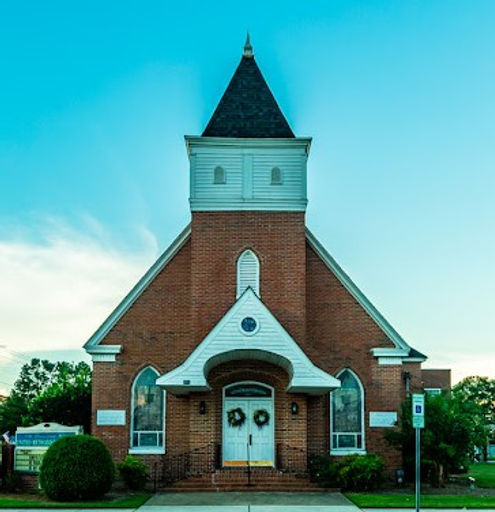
[(248, 49)]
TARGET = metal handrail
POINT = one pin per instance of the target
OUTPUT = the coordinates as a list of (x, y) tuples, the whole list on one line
[(198, 461)]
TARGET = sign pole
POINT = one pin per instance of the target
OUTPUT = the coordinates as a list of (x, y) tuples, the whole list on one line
[(418, 422), (418, 469)]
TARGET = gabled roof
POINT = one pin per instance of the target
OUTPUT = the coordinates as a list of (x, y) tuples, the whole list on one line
[(248, 108), (91, 345), (402, 349), (269, 341)]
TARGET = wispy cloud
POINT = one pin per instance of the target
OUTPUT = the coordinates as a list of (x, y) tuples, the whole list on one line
[(56, 288)]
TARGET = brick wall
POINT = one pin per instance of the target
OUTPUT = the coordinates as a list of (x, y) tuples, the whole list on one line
[(340, 334), (194, 291), (277, 238)]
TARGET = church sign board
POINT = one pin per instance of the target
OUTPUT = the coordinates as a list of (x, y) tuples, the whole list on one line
[(33, 442)]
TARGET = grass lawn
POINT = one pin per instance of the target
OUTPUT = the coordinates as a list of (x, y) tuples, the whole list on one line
[(427, 501), (128, 501), (484, 474)]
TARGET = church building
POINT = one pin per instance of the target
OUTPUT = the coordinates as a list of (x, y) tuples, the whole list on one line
[(246, 344)]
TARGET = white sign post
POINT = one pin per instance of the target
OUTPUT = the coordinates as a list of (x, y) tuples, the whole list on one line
[(418, 421)]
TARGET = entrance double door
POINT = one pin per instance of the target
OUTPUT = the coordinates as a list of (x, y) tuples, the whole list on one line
[(248, 442)]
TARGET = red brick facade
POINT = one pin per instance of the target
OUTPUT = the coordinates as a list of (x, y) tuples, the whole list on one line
[(321, 319), (190, 296)]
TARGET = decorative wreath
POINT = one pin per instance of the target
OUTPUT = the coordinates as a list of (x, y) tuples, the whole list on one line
[(236, 417), (261, 417)]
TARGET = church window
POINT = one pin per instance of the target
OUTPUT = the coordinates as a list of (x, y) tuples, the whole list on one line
[(276, 176), (347, 415), (148, 412), (219, 176), (248, 272)]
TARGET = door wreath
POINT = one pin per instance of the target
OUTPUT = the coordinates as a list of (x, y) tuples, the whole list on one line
[(261, 417), (236, 417)]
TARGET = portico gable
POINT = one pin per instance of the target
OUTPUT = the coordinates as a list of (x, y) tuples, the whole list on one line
[(248, 331)]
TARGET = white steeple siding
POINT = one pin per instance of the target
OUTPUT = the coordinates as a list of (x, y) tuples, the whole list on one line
[(248, 165)]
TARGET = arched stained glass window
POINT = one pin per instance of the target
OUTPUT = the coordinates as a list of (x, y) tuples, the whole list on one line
[(148, 402), (248, 272), (347, 414)]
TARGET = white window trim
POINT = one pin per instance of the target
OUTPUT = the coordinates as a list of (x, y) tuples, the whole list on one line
[(158, 450), (257, 276), (349, 451)]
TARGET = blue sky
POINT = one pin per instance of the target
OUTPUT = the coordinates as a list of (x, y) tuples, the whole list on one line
[(95, 98)]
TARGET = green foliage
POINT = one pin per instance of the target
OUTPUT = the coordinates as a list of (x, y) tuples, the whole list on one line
[(484, 473), (47, 391), (361, 472), (324, 470), (438, 501), (481, 391), (12, 482), (453, 428), (77, 467), (353, 472), (134, 472)]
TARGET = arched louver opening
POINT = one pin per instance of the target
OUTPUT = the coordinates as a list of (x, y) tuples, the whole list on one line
[(148, 411), (276, 176), (219, 176), (248, 272), (347, 415)]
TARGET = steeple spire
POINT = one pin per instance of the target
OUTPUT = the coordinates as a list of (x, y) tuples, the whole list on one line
[(248, 49)]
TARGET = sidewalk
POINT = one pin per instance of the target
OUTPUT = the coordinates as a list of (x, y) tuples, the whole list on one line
[(249, 502)]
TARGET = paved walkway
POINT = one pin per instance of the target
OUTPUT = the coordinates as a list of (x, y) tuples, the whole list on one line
[(249, 502)]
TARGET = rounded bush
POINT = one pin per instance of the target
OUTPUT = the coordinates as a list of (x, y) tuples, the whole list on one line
[(77, 468), (361, 472), (134, 472)]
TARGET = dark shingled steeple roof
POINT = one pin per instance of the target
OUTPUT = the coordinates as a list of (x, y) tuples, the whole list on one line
[(248, 108)]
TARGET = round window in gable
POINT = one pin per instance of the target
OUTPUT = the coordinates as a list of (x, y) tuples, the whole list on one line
[(249, 326)]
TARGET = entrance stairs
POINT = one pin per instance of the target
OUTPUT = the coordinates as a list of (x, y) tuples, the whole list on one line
[(236, 479)]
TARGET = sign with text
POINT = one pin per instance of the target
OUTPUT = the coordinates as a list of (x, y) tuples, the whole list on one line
[(110, 417), (418, 411), (28, 460), (383, 419)]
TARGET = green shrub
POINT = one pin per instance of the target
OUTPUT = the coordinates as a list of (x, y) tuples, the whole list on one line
[(353, 472), (12, 481), (134, 472), (324, 470), (361, 472), (77, 468)]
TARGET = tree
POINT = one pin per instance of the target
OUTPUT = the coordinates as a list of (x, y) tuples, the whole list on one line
[(480, 390), (47, 391), (453, 428)]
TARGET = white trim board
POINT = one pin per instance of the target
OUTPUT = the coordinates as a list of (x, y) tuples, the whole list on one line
[(91, 346), (270, 343)]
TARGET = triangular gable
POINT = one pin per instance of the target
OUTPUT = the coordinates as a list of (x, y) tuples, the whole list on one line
[(107, 352), (269, 341), (402, 349)]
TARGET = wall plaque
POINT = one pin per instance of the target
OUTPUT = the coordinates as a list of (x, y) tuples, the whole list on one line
[(110, 417), (383, 419)]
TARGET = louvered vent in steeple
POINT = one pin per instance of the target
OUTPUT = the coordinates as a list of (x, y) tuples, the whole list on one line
[(248, 273)]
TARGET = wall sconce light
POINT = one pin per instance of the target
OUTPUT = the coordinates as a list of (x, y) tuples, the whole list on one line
[(294, 408), (202, 407)]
